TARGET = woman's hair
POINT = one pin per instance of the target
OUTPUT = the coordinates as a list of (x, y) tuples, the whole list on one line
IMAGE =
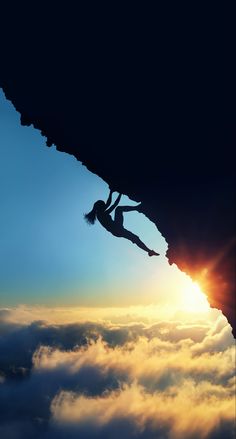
[(92, 215)]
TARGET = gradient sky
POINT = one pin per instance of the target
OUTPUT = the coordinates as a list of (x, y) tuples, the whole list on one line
[(48, 254)]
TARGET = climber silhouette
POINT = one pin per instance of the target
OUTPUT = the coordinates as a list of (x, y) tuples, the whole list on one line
[(101, 211)]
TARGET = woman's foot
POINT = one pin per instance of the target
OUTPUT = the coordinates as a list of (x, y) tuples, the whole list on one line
[(138, 207), (153, 253)]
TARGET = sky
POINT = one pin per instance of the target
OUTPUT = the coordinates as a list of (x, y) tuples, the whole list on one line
[(97, 340), (48, 254)]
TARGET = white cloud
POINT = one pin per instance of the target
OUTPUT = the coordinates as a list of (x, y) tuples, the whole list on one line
[(161, 380)]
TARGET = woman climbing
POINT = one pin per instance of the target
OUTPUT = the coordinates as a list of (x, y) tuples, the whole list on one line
[(101, 211)]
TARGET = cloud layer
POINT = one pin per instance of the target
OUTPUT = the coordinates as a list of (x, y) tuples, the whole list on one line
[(102, 379)]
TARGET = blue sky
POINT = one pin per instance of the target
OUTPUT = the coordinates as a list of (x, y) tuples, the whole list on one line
[(48, 253)]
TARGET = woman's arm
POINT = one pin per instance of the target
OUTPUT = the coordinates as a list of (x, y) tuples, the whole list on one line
[(113, 206), (108, 202)]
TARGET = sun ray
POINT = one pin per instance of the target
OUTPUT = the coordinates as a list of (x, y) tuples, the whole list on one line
[(193, 298)]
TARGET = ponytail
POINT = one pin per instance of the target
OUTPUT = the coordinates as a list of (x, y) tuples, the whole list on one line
[(90, 217)]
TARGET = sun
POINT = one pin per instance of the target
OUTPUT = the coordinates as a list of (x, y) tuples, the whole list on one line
[(193, 298)]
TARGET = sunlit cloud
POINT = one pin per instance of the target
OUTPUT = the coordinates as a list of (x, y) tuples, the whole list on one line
[(92, 372), (183, 411), (191, 305)]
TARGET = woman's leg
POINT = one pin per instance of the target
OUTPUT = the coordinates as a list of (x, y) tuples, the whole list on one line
[(119, 217), (123, 233), (136, 240)]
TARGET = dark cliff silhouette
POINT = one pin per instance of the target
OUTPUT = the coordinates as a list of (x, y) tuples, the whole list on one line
[(102, 211), (141, 98)]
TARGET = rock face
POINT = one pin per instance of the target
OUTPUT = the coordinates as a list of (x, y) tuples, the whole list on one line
[(151, 119)]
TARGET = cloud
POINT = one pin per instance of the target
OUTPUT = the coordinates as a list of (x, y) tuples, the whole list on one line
[(99, 379), (149, 314), (184, 411)]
